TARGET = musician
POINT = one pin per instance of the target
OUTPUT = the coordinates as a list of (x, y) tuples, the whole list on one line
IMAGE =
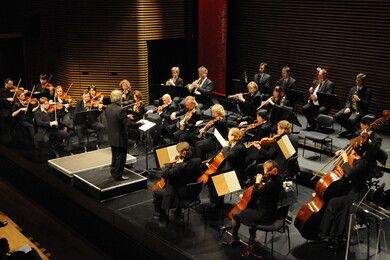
[(257, 130), (262, 206), (23, 115), (127, 93), (287, 82), (86, 105), (117, 123), (313, 107), (249, 101), (137, 111), (44, 86), (190, 121), (355, 107), (275, 99), (95, 96), (263, 81), (207, 143), (6, 96), (374, 138), (175, 80), (336, 212), (63, 114), (47, 127), (183, 169)]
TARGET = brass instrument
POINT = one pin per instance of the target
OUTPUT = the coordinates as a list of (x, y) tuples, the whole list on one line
[(354, 104), (187, 117), (170, 82), (204, 129), (194, 85)]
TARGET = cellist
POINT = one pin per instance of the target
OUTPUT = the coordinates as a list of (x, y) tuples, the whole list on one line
[(183, 169), (262, 205)]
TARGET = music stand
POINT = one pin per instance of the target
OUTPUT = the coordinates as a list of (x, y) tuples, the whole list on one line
[(279, 113), (295, 95), (239, 85), (164, 154), (331, 100), (146, 128), (85, 118)]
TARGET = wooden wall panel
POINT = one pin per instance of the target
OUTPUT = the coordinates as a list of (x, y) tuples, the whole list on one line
[(346, 37)]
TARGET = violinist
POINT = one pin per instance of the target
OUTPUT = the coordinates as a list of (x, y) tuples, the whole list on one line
[(95, 96), (356, 167), (6, 96), (183, 169), (175, 80), (47, 127), (355, 107), (257, 130), (137, 112), (127, 93), (263, 81), (44, 86), (187, 125), (248, 102), (63, 103), (86, 105), (313, 108), (287, 82), (262, 205), (23, 114), (207, 143)]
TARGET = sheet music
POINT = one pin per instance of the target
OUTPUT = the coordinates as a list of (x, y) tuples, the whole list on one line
[(220, 138), (147, 125), (286, 146), (226, 183)]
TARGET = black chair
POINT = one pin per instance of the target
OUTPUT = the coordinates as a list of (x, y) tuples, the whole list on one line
[(280, 225), (324, 122), (292, 172), (191, 199)]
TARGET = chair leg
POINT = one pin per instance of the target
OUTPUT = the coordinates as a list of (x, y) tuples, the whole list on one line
[(288, 238), (265, 238), (304, 145), (272, 244)]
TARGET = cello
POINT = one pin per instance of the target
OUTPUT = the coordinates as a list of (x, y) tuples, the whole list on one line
[(309, 217)]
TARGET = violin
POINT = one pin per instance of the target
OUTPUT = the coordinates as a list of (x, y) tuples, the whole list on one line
[(187, 118), (55, 107), (209, 124), (265, 141), (251, 126), (93, 104), (137, 106)]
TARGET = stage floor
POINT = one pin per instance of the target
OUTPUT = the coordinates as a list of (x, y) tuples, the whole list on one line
[(131, 214)]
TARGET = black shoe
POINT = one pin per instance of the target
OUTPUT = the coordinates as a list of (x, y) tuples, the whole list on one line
[(235, 241), (3, 223), (122, 178), (334, 244), (160, 216)]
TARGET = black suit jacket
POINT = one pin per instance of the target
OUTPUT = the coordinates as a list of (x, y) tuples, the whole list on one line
[(266, 197), (290, 84), (235, 159), (252, 102), (179, 82), (365, 97), (117, 122), (167, 112), (42, 121), (265, 83), (327, 87), (194, 118), (207, 87)]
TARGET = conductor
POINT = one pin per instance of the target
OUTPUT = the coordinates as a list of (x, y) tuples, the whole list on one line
[(117, 123)]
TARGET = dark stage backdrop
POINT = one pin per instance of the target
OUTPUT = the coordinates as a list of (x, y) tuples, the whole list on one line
[(345, 37)]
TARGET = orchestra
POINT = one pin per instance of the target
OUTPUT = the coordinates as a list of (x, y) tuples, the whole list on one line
[(253, 148)]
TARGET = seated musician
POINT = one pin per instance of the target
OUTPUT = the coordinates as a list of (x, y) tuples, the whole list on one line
[(313, 108), (95, 95), (44, 86), (137, 112), (167, 126), (249, 101), (275, 99), (22, 113), (374, 138), (86, 104), (206, 142), (47, 127), (183, 169), (175, 80), (127, 93), (187, 125), (334, 221), (273, 151), (257, 130), (203, 85), (65, 100), (6, 98), (287, 82), (262, 205), (263, 81), (355, 107)]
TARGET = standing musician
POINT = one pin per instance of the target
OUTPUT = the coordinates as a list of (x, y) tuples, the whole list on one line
[(263, 81), (95, 96), (262, 205), (175, 80), (44, 86), (117, 123), (127, 93), (257, 130), (248, 101), (137, 112), (313, 107), (167, 126), (86, 104), (208, 143), (22, 113), (188, 124), (183, 169), (355, 108), (47, 127), (356, 167), (286, 82)]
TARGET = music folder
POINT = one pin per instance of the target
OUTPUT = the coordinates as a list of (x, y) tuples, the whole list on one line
[(220, 138), (146, 126), (286, 147), (226, 183)]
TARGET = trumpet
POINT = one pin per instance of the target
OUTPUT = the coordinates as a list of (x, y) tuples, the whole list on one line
[(194, 85), (170, 82)]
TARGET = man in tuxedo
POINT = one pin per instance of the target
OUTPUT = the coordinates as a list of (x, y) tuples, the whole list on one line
[(175, 80), (263, 81), (205, 85), (47, 127), (356, 107), (117, 123), (313, 107), (286, 82)]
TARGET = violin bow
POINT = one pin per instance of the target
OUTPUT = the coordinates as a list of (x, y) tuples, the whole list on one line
[(17, 88), (29, 100), (66, 93)]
